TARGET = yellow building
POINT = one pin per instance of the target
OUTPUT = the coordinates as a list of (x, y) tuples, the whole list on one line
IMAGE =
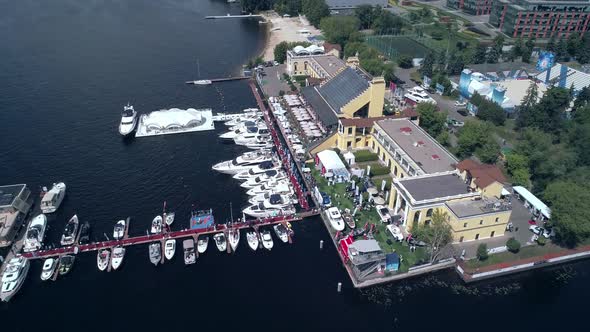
[(470, 215)]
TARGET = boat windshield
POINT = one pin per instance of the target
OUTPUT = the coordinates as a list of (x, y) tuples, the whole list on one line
[(127, 112), (235, 162)]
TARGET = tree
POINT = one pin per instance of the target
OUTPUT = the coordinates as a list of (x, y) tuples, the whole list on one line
[(280, 51), (547, 114), (431, 119), (405, 61), (315, 10), (526, 106), (444, 138), (488, 110), (493, 56), (561, 49), (489, 151), (427, 64), (437, 234), (386, 22), (569, 210), (515, 162), (437, 35), (513, 245), (250, 6), (551, 47), (337, 29), (498, 46), (521, 177), (574, 42), (480, 54), (482, 252), (471, 136), (352, 48), (366, 15), (456, 64)]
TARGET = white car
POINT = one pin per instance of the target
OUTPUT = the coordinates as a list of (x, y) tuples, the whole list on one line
[(383, 213), (396, 232), (540, 231), (460, 103)]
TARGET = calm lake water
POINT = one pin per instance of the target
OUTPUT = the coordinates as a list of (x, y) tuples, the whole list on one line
[(67, 67)]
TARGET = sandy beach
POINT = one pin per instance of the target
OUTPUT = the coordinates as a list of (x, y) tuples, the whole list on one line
[(285, 29)]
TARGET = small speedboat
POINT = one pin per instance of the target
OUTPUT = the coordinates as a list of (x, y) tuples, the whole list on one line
[(170, 248), (70, 232), (202, 244), (220, 241), (282, 232), (155, 252), (335, 218), (199, 82), (49, 266), (119, 230), (118, 255), (169, 218), (234, 238), (266, 239), (85, 233), (189, 251), (252, 240), (103, 258), (65, 264), (157, 225)]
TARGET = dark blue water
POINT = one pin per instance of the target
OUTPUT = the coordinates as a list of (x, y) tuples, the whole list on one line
[(66, 70)]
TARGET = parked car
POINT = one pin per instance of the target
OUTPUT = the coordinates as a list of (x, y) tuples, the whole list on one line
[(463, 112), (540, 231), (460, 103)]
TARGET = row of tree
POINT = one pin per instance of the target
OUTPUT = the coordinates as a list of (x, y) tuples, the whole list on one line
[(378, 19), (314, 10)]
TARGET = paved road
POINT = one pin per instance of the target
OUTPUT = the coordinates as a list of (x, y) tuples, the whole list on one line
[(443, 103)]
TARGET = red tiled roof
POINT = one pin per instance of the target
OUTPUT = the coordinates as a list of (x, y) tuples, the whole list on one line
[(329, 46), (484, 174)]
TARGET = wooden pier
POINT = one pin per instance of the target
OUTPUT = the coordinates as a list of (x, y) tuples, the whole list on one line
[(213, 17), (162, 237)]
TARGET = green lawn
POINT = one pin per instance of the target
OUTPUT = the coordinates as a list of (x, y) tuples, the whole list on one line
[(362, 217), (504, 257), (365, 155)]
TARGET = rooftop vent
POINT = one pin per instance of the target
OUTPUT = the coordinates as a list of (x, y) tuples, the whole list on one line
[(419, 143), (406, 130), (435, 157)]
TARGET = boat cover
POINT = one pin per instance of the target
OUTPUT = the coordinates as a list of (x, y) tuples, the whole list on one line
[(202, 220)]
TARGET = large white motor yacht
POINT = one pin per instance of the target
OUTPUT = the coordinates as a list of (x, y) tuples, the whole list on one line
[(249, 116), (53, 198), (260, 142), (272, 175), (243, 162), (272, 200), (243, 130), (256, 170), (335, 218), (261, 211), (35, 233), (128, 120), (277, 187), (13, 277), (252, 135)]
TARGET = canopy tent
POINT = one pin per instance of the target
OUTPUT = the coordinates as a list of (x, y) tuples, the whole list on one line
[(532, 200), (328, 161)]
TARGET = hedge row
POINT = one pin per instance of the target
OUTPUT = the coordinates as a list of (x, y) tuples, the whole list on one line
[(365, 155)]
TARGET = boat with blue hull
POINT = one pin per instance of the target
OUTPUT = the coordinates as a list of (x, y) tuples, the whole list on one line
[(202, 219)]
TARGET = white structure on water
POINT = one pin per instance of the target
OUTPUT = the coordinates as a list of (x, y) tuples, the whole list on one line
[(175, 121)]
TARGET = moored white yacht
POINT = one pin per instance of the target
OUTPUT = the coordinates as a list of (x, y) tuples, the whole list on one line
[(272, 175), (250, 116), (13, 277), (189, 251), (249, 127), (252, 135), (119, 230), (169, 218), (335, 218), (256, 170), (220, 241), (252, 238), (49, 266), (156, 225), (155, 251), (243, 162), (278, 187), (282, 232), (128, 120), (261, 211), (53, 198), (170, 248), (202, 243), (70, 232), (234, 238), (243, 125), (103, 258), (260, 142), (285, 199), (266, 239), (118, 255), (35, 233)]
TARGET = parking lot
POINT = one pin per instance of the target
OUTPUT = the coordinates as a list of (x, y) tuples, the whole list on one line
[(273, 81)]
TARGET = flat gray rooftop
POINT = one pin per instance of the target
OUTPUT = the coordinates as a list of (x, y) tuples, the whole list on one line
[(329, 63), (434, 186), (9, 193), (469, 208), (418, 145)]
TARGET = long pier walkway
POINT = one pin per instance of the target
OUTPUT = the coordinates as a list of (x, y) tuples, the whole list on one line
[(129, 241), (212, 17)]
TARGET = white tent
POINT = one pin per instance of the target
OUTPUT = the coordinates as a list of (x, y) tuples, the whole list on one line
[(532, 201), (328, 161)]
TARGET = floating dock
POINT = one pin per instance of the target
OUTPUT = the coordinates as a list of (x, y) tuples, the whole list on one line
[(213, 17), (174, 121), (162, 237)]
